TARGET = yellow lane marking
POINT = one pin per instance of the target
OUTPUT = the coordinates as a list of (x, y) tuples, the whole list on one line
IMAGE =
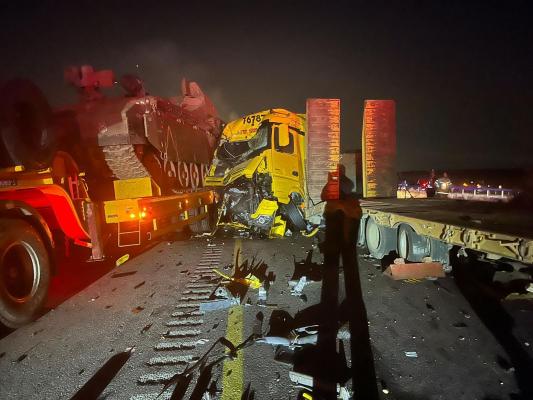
[(233, 371)]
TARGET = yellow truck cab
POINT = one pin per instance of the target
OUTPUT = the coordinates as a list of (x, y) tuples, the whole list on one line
[(258, 172)]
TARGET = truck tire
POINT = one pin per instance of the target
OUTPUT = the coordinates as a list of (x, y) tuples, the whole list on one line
[(412, 246), (27, 136), (24, 272), (295, 217), (380, 240)]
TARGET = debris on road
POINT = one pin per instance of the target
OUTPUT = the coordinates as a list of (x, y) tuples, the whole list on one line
[(298, 337), (123, 274), (146, 328), (299, 286), (261, 296), (219, 304), (139, 285), (411, 354), (249, 280), (222, 293), (399, 270), (122, 260), (307, 382)]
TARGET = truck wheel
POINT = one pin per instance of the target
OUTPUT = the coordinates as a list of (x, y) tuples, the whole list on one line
[(295, 216), (183, 174), (24, 273), (380, 240), (411, 245), (194, 175)]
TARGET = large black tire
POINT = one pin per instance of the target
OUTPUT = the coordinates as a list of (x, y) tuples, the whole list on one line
[(380, 240), (26, 133), (24, 273), (295, 217), (411, 246)]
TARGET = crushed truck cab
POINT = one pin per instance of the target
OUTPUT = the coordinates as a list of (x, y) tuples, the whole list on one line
[(259, 173)]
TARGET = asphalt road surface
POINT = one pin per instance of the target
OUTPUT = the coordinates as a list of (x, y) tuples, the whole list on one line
[(139, 326)]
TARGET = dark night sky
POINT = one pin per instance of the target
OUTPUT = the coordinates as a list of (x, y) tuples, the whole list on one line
[(460, 72)]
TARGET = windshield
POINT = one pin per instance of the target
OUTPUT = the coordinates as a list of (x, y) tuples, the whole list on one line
[(232, 153)]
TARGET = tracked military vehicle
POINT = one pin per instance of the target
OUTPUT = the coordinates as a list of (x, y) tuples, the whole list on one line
[(132, 135)]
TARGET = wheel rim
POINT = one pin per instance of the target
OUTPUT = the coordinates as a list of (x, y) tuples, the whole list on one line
[(373, 236), (403, 244), (183, 174), (170, 168), (20, 272), (204, 169), (195, 175)]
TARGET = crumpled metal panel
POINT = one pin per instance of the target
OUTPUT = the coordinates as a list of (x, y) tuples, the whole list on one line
[(379, 148), (323, 148)]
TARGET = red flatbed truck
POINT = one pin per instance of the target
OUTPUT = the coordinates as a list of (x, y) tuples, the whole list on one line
[(39, 206)]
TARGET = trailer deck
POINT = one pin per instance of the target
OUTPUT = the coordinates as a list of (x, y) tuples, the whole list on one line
[(499, 229)]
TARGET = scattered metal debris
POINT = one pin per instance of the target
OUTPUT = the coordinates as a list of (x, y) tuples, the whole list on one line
[(123, 274), (261, 295), (219, 304), (298, 337), (298, 286), (307, 382), (411, 354), (222, 293), (249, 280), (139, 285)]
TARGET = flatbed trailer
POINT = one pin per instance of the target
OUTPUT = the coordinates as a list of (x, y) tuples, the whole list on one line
[(41, 208), (418, 228)]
